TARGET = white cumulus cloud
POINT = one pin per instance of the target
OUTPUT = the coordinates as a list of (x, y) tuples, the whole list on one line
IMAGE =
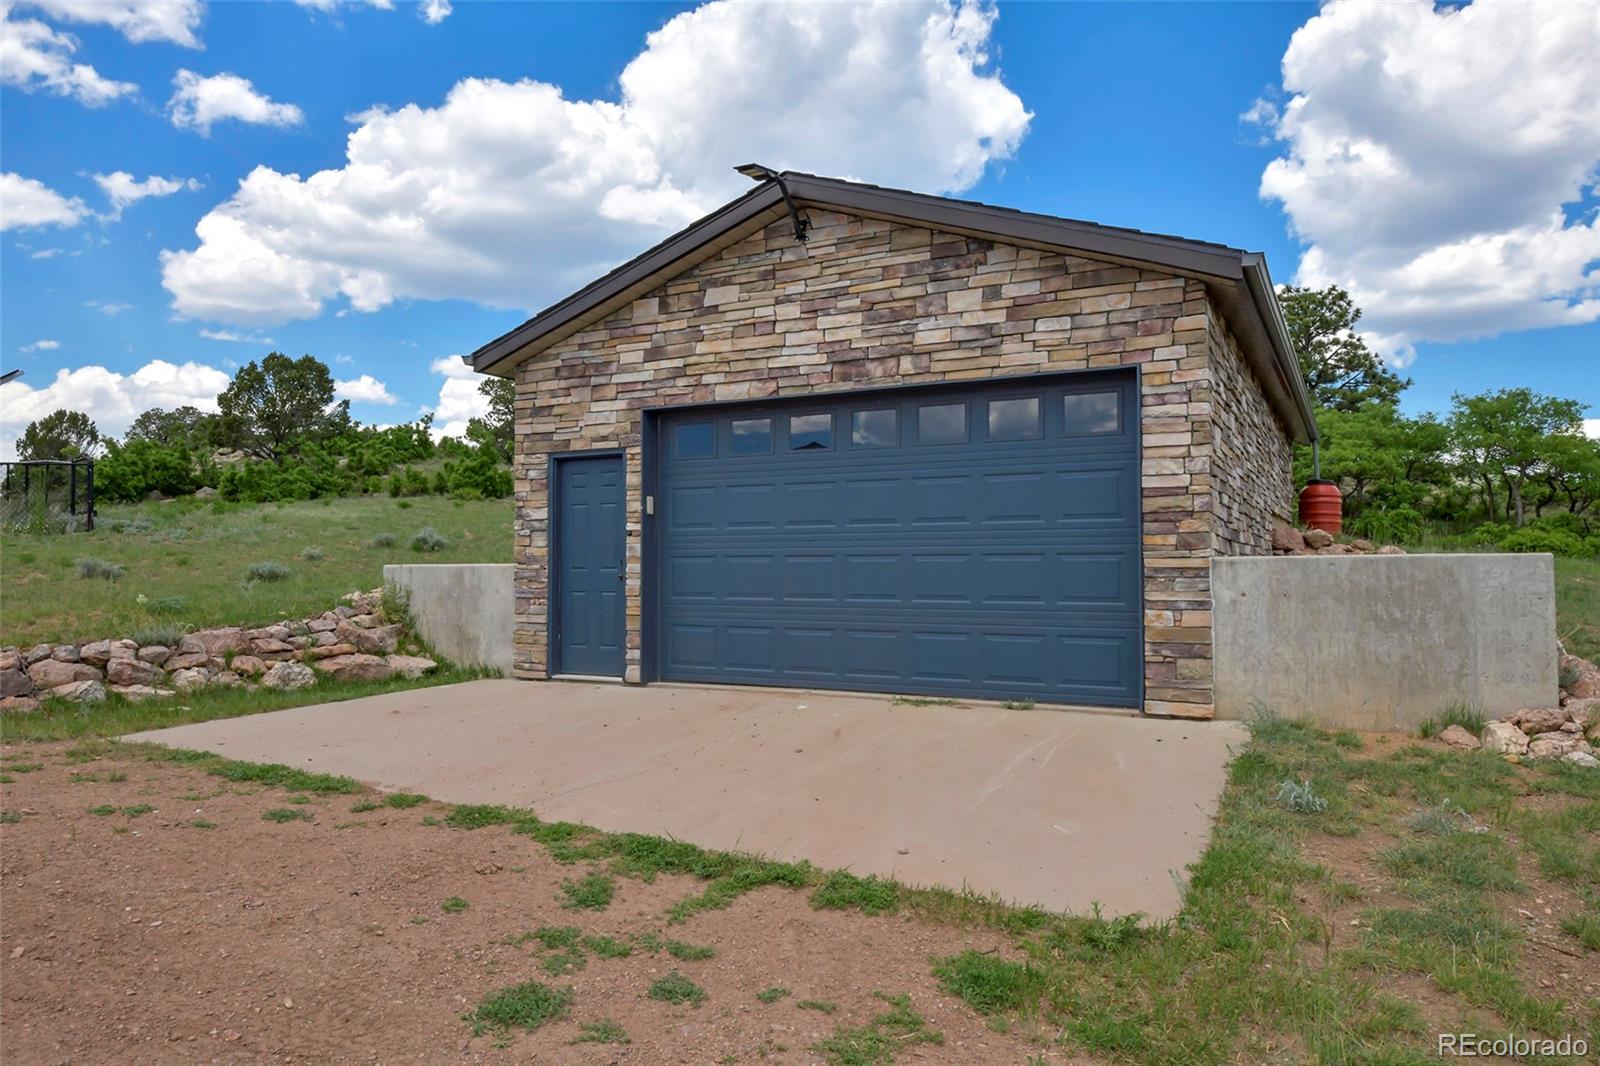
[(199, 102), (113, 400), (42, 346), (435, 11), (33, 56), (364, 389), (459, 399), (510, 194), (122, 189), (1433, 155), (25, 202), (139, 21)]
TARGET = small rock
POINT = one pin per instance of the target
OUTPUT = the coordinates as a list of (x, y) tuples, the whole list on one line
[(220, 642), (10, 659), (289, 676), (65, 653), (138, 693), (226, 679), (1457, 737), (154, 654), (191, 679), (14, 682), (1318, 538), (246, 665), (206, 492), (18, 704), (320, 625), (411, 666), (1390, 549), (1584, 712), (187, 660), (1362, 546), (1503, 738), (329, 651), (35, 653), (81, 692), (1582, 758)]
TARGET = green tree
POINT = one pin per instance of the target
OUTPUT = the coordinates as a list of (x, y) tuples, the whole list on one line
[(1379, 457), (1504, 440), (497, 428), (273, 407), (1340, 370), (181, 425), (59, 435), (1571, 475)]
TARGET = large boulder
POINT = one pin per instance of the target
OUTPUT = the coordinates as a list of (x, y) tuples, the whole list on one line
[(289, 676), (35, 653), (18, 704), (65, 653), (1555, 745), (1582, 758), (132, 672), (271, 648), (1584, 712), (321, 625), (376, 640), (355, 668), (81, 692), (1536, 720), (247, 665), (1318, 538), (331, 651), (414, 666), (10, 659), (1503, 738), (219, 642), (1286, 538), (14, 682), (53, 673)]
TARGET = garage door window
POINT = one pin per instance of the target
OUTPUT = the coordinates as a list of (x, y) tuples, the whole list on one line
[(1014, 419), (1093, 412), (752, 436), (695, 440), (942, 423), (810, 432), (875, 429)]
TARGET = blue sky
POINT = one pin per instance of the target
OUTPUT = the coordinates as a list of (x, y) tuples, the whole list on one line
[(478, 207)]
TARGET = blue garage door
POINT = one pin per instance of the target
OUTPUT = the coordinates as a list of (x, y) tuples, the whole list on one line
[(960, 541)]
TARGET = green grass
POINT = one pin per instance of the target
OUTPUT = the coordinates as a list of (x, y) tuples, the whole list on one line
[(677, 989), (285, 814), (608, 947), (1578, 606), (844, 891), (184, 569), (1465, 715), (988, 983), (772, 995), (525, 1006), (591, 892), (454, 905), (876, 1043), (821, 1006), (604, 1031)]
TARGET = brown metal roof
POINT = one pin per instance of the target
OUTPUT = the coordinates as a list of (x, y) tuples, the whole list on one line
[(1237, 279)]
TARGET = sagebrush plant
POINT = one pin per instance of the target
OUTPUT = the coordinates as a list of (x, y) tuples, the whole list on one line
[(382, 540), (1299, 797), (428, 539), (267, 571), (167, 605), (311, 553), (166, 636), (91, 568)]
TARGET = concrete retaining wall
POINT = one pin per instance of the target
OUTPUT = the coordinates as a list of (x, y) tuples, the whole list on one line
[(1382, 642), (462, 609)]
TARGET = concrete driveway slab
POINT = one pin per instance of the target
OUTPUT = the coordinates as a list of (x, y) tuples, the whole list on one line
[(1057, 808)]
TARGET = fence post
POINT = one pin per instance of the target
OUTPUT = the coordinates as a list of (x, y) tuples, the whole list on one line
[(72, 489), (88, 494)]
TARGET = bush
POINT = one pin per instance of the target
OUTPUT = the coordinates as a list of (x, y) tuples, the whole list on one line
[(479, 476), (1490, 533), (166, 636), (167, 605), (1555, 541), (91, 568), (1390, 525), (428, 539), (409, 482), (382, 540), (311, 554), (266, 572), (130, 472)]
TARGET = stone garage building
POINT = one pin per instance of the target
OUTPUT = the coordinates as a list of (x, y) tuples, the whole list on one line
[(935, 447)]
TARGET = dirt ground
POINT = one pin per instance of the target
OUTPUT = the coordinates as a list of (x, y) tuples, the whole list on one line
[(146, 938)]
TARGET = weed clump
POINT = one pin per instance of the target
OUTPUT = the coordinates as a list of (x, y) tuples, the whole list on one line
[(428, 539), (92, 569), (268, 571), (676, 989)]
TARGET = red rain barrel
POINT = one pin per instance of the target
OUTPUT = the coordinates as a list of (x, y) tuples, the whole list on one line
[(1321, 506)]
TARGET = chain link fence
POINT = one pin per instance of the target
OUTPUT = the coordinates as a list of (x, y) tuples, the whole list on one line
[(47, 496)]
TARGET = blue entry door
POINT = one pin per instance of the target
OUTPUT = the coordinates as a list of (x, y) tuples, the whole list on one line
[(591, 552)]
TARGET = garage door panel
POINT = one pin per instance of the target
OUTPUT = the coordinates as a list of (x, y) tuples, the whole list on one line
[(963, 565)]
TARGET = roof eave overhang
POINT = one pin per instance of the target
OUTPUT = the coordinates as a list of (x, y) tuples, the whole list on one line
[(1238, 278)]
